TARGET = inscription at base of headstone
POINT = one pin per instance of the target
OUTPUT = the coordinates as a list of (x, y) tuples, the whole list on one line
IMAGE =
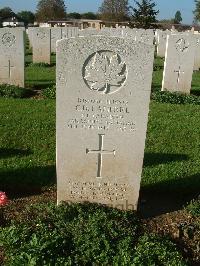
[(12, 56), (179, 63), (103, 95)]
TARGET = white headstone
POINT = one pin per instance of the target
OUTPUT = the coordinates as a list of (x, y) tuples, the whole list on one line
[(12, 56), (146, 36), (56, 34), (162, 41), (68, 32), (112, 32), (129, 33), (89, 32), (103, 94), (30, 36), (41, 45), (197, 52), (179, 63)]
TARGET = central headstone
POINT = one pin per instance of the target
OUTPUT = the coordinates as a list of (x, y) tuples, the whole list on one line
[(103, 94)]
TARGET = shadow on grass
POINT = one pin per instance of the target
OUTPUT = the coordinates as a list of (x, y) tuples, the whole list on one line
[(27, 181), (195, 92), (39, 86), (151, 159), (168, 196), (155, 88), (7, 153)]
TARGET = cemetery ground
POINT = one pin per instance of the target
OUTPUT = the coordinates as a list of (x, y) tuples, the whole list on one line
[(166, 230)]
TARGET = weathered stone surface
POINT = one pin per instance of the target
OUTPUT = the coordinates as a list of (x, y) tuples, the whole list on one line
[(12, 56), (179, 63), (56, 34), (41, 41), (103, 94)]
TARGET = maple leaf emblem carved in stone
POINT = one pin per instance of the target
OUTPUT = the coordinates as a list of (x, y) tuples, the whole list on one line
[(105, 74)]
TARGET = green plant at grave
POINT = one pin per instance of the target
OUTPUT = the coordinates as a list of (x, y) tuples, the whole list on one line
[(83, 234), (68, 234), (194, 207), (175, 98), (49, 93), (11, 91), (155, 250)]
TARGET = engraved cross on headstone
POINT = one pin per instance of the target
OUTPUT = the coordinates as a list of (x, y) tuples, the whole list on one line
[(9, 66), (179, 72), (100, 153)]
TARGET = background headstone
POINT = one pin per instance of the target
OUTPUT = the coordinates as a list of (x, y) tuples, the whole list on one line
[(112, 32), (129, 33), (103, 94), (197, 51), (12, 56), (68, 32), (179, 63), (56, 34), (41, 41), (89, 32), (161, 42), (146, 36), (30, 36)]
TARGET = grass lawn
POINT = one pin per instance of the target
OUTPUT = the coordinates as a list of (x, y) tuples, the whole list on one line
[(38, 77), (171, 172)]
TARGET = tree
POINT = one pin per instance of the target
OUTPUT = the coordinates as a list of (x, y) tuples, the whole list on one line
[(197, 10), (74, 15), (166, 21), (144, 13), (50, 10), (6, 12), (27, 17), (114, 10), (178, 17), (89, 15)]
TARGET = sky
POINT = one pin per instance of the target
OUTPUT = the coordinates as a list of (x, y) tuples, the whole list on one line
[(167, 8)]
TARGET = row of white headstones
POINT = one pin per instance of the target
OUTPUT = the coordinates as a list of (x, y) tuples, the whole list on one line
[(103, 94), (181, 51)]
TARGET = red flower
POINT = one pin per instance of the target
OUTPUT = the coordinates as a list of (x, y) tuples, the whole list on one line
[(3, 198)]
